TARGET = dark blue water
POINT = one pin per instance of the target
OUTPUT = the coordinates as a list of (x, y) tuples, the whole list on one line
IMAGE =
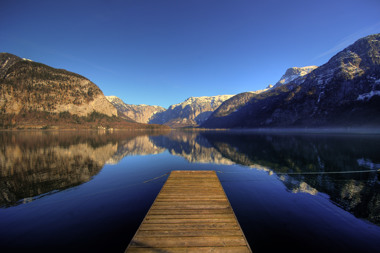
[(87, 191)]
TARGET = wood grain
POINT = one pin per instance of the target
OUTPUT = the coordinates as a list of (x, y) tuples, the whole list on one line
[(190, 214)]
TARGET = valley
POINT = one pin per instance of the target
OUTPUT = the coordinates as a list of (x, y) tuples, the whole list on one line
[(344, 92)]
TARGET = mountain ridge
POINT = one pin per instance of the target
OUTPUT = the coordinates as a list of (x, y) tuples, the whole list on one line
[(191, 112), (328, 97), (293, 75), (35, 95), (345, 91), (138, 113), (48, 89)]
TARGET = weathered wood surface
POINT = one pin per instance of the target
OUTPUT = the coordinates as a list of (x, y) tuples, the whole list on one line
[(190, 214)]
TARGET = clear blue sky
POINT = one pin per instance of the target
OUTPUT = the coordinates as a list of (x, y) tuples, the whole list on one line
[(160, 52)]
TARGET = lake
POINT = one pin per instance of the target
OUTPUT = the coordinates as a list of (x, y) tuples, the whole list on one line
[(83, 191)]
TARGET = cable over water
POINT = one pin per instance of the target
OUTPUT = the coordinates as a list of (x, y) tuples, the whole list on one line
[(309, 173), (147, 181)]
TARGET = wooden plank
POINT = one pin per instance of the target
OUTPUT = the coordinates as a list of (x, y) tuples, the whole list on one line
[(183, 233), (202, 241), (239, 249), (187, 221), (191, 214), (192, 202), (203, 226)]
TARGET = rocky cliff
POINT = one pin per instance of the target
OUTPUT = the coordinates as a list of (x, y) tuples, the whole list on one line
[(192, 112), (34, 95), (138, 113), (29, 86), (344, 92), (294, 73), (235, 103)]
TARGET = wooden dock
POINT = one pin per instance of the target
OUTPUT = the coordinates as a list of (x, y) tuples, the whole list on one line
[(190, 214)]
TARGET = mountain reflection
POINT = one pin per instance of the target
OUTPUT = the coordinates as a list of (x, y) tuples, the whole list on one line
[(139, 145), (36, 163), (33, 164), (343, 167), (192, 146)]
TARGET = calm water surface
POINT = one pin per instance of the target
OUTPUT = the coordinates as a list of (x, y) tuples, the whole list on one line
[(89, 191)]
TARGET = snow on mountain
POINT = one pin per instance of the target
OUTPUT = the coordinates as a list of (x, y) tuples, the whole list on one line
[(138, 113), (292, 74), (344, 92), (261, 91), (369, 95), (213, 101), (192, 112)]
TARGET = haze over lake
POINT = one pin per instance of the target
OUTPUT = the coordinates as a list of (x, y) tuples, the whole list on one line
[(89, 191)]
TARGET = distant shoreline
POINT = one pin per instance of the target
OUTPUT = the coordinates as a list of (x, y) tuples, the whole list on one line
[(298, 130), (295, 130)]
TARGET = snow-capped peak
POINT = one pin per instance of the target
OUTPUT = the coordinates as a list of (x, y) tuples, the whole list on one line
[(293, 73), (114, 99), (270, 86), (213, 100)]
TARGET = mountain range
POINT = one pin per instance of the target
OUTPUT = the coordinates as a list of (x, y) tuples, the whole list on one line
[(194, 111), (344, 92), (138, 113), (190, 113), (34, 95)]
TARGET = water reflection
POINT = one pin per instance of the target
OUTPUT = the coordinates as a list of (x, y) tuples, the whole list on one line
[(139, 145), (343, 167), (33, 164), (192, 146)]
